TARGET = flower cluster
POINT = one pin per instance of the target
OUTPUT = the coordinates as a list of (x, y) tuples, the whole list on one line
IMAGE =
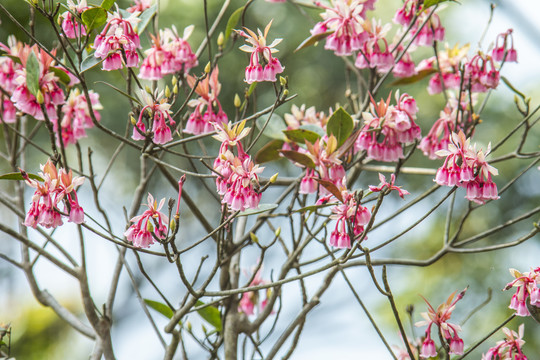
[(527, 289), (508, 349), (251, 299), (160, 114), (117, 44), (504, 47), (238, 179), (50, 94), (208, 109), (389, 186), (8, 73), (57, 185), (169, 54), (77, 117), (345, 19), (465, 167), (348, 213), (447, 330), (71, 27), (152, 224), (395, 123), (260, 53), (372, 55)]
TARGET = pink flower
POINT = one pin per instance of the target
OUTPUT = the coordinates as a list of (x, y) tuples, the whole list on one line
[(345, 19), (151, 224), (526, 285), (371, 54), (447, 330), (504, 47), (139, 6), (70, 26), (160, 119), (251, 301), (118, 39), (349, 211), (57, 185), (260, 52), (76, 117), (508, 349), (7, 110), (390, 186), (208, 110)]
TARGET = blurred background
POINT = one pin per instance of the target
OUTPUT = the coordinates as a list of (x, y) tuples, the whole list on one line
[(337, 328)]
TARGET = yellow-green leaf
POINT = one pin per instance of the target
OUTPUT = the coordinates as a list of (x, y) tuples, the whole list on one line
[(269, 152), (32, 73), (211, 314), (94, 17), (340, 125), (231, 23)]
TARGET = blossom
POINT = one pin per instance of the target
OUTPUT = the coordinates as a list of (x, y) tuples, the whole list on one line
[(260, 52), (151, 223), (526, 285), (348, 212), (251, 301), (76, 118), (117, 44), (390, 186), (371, 54), (160, 119), (447, 330), (139, 6), (504, 47), (208, 110), (345, 19), (72, 29), (169, 54), (508, 349), (57, 185), (395, 123)]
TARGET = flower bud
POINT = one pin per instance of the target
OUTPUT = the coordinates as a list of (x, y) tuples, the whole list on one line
[(220, 39), (278, 231), (167, 91), (254, 238), (208, 68), (175, 89), (172, 225), (148, 90), (174, 80), (283, 81), (149, 226), (273, 178), (237, 101), (132, 120), (286, 92), (39, 97)]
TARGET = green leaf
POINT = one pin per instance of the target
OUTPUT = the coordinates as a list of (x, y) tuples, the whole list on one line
[(231, 23), (18, 176), (251, 88), (269, 152), (275, 126), (314, 207), (94, 17), (297, 157), (107, 4), (312, 40), (331, 188), (32, 73), (145, 17), (262, 208), (315, 128), (430, 3), (348, 144), (211, 314), (160, 308), (415, 78), (61, 74), (302, 135), (89, 62), (340, 125)]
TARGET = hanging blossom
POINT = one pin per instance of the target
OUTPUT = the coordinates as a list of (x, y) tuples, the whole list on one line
[(208, 110), (76, 118), (447, 330), (71, 27), (345, 19), (251, 300), (152, 224), (117, 44), (526, 285), (395, 123), (139, 6), (450, 120), (261, 54), (509, 348), (348, 212), (169, 54), (403, 354), (159, 120), (8, 68), (504, 47), (389, 186), (465, 167), (426, 35), (57, 185), (238, 179), (372, 55), (50, 94)]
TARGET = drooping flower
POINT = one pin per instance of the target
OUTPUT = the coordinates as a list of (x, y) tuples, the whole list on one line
[(372, 54), (159, 120), (77, 117), (57, 185), (117, 44), (389, 186), (250, 303), (508, 349), (71, 27), (151, 223), (504, 47), (527, 287), (208, 110), (348, 212), (447, 330), (262, 65), (139, 6)]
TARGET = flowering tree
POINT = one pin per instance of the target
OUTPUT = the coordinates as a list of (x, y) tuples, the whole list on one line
[(262, 231)]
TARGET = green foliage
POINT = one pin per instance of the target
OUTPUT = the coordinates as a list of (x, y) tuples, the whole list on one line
[(32, 74), (302, 135), (18, 176), (231, 23), (340, 125), (94, 18), (269, 152)]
